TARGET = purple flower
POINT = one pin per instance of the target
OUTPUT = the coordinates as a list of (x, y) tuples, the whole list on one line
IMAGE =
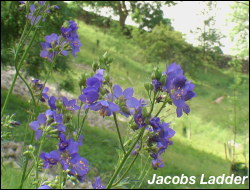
[(67, 147), (159, 140), (41, 3), (94, 83), (56, 119), (70, 104), (44, 94), (179, 88), (89, 96), (104, 107), (79, 167), (122, 97), (22, 2), (52, 102), (52, 46), (139, 118), (98, 184), (156, 85), (44, 187), (38, 86), (157, 163), (56, 7), (33, 19), (35, 125), (46, 119), (135, 151), (51, 158), (69, 32), (155, 123), (99, 75)]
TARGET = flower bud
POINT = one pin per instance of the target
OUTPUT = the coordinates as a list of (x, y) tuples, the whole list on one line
[(107, 78), (163, 80), (95, 66), (156, 74), (148, 86), (59, 104), (82, 82), (31, 148)]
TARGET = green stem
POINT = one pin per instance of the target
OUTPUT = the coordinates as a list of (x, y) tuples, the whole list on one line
[(83, 120), (78, 116), (153, 103), (23, 175), (18, 69), (38, 155), (30, 90), (125, 173), (119, 134), (131, 148), (124, 159), (130, 166)]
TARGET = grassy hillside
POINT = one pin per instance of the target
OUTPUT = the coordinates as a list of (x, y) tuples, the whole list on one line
[(211, 124)]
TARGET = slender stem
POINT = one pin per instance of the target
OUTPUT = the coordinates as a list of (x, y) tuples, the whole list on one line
[(125, 173), (18, 69), (144, 176), (163, 105), (23, 175), (142, 172), (119, 134), (78, 116), (153, 103), (124, 159), (149, 97), (130, 166), (131, 148), (30, 90), (38, 156), (46, 79), (83, 120)]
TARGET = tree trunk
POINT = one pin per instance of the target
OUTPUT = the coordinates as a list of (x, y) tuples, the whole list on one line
[(123, 13)]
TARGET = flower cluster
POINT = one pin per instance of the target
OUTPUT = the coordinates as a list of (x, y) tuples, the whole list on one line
[(92, 93), (97, 98), (179, 88), (67, 155), (37, 10), (37, 86), (46, 122), (51, 124), (69, 32), (52, 46), (60, 44), (158, 140)]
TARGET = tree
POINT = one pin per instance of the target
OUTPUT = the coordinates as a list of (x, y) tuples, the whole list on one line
[(147, 14), (240, 32), (208, 36)]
